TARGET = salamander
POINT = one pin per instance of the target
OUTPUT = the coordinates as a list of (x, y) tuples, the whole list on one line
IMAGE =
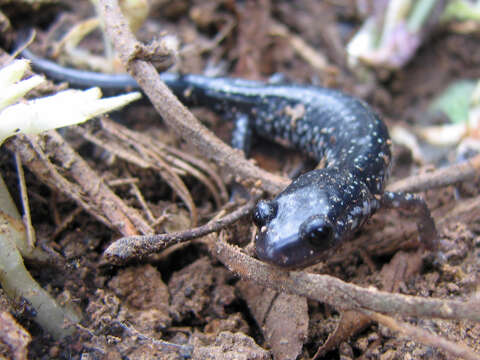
[(321, 208)]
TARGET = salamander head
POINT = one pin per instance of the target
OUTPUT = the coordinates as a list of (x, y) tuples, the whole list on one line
[(300, 223)]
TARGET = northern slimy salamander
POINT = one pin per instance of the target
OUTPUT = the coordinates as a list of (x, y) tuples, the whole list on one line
[(320, 208)]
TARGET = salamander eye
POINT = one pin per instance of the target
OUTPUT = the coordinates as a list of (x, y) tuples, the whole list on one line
[(264, 211), (318, 232)]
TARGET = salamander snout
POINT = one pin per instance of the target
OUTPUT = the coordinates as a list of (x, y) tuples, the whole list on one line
[(297, 226), (294, 249)]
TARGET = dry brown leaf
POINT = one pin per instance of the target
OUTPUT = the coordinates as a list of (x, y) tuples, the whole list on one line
[(282, 317)]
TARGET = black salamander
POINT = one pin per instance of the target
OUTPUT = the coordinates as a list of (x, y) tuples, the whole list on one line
[(320, 208)]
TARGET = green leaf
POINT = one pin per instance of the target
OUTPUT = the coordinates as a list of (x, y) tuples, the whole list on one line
[(455, 101)]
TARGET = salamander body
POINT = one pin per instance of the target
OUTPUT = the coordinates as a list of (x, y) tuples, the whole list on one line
[(320, 208)]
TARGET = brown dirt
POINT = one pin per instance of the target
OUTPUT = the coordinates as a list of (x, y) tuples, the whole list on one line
[(185, 296)]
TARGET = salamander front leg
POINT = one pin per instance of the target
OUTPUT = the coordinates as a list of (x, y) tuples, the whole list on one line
[(242, 133), (414, 203), (242, 140)]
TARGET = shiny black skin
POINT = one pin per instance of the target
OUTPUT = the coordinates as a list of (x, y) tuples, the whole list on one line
[(320, 208)]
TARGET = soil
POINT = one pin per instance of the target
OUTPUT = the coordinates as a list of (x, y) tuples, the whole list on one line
[(184, 295)]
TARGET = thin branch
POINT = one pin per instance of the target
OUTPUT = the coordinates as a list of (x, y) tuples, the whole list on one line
[(134, 247), (465, 171), (423, 336), (47, 153), (172, 111), (339, 294), (311, 55), (136, 153)]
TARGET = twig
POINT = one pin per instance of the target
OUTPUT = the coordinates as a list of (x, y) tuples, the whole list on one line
[(134, 247), (339, 294), (134, 152), (200, 164), (150, 148), (124, 181), (66, 221), (466, 209), (172, 111), (423, 336), (141, 199), (465, 171), (89, 191), (316, 59)]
